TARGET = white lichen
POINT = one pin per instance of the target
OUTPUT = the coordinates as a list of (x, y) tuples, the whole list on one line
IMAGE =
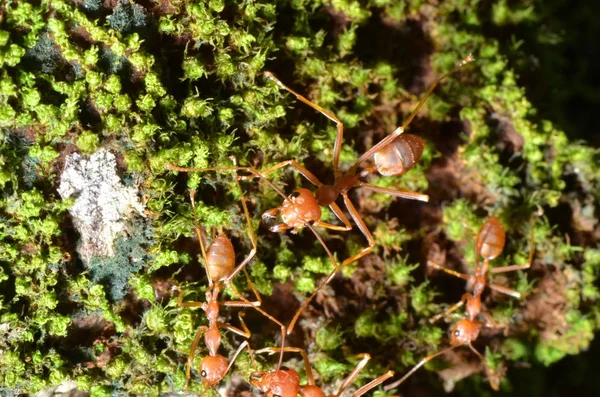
[(103, 204)]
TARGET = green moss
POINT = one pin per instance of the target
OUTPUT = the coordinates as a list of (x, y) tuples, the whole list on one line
[(183, 83)]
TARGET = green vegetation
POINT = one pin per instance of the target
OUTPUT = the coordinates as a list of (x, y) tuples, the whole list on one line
[(178, 81)]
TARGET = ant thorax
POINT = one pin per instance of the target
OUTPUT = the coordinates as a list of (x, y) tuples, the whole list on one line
[(326, 194), (311, 391), (473, 306)]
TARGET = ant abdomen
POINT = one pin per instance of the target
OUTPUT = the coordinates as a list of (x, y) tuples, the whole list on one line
[(399, 156), (220, 258), (312, 391), (491, 238)]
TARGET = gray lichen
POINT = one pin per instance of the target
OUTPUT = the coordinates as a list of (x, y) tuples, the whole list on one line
[(104, 205)]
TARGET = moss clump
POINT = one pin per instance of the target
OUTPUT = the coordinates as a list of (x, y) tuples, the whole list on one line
[(182, 82)]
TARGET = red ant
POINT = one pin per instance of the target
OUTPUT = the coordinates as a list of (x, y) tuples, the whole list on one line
[(219, 260), (393, 155), (489, 244), (285, 382), (295, 207)]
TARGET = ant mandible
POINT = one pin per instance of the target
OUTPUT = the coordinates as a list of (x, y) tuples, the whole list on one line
[(489, 244), (285, 382), (219, 260)]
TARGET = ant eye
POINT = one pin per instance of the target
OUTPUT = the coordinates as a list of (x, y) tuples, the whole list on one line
[(203, 374), (457, 333), (284, 368), (293, 195)]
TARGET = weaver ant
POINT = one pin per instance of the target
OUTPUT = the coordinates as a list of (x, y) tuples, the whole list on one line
[(489, 244), (285, 382), (395, 154), (295, 209), (219, 260)]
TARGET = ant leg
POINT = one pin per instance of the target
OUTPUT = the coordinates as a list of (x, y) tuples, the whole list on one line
[(188, 368), (261, 311), (245, 332), (200, 237), (280, 227), (331, 227), (258, 301), (359, 367), (252, 252), (478, 354), (244, 344), (336, 268), (388, 139), (519, 267), (416, 367), (449, 271), (491, 323), (512, 268), (181, 303), (309, 374), (449, 310), (246, 303), (337, 146), (340, 215), (292, 163), (362, 227), (506, 291), (407, 194), (374, 383), (252, 171), (242, 266)]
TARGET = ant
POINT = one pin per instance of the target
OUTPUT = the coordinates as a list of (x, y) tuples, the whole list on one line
[(219, 260), (295, 209), (489, 244), (395, 154), (285, 382)]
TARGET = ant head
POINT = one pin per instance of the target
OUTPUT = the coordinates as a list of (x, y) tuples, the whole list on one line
[(212, 370), (279, 383), (464, 332), (304, 209), (299, 196)]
